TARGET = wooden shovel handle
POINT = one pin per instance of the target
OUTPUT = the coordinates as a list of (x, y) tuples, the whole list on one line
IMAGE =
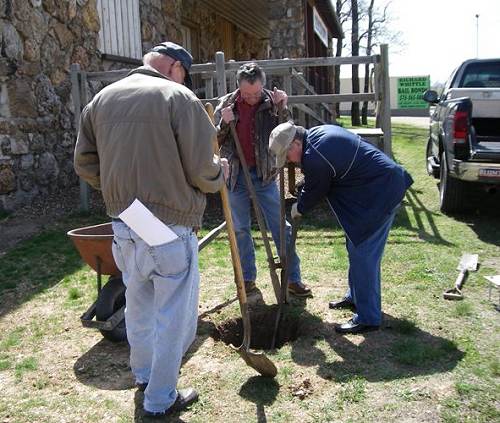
[(235, 256)]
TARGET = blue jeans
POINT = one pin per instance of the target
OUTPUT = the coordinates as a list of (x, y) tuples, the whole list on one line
[(268, 198), (161, 311), (364, 275)]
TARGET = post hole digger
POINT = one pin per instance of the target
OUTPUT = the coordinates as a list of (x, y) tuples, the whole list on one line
[(258, 213), (280, 290), (258, 361)]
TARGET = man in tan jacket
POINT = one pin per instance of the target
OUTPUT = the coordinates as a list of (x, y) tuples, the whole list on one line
[(148, 137)]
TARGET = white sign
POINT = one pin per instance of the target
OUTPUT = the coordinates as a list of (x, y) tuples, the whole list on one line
[(320, 28)]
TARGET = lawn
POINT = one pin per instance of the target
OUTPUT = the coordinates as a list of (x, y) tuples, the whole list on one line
[(432, 361)]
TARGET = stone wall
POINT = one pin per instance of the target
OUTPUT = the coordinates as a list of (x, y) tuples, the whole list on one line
[(160, 21), (287, 29), (39, 40)]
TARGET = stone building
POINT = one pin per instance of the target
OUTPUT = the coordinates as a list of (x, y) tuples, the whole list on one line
[(40, 39)]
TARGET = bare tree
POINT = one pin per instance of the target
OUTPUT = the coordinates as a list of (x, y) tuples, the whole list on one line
[(343, 13), (355, 120), (369, 38), (378, 31)]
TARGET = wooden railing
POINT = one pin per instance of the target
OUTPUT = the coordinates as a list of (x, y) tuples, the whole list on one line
[(217, 76)]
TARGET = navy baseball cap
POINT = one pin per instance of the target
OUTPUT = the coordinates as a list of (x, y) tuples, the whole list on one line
[(179, 53)]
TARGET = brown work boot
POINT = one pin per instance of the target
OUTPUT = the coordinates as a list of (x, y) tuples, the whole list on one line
[(250, 286), (299, 289)]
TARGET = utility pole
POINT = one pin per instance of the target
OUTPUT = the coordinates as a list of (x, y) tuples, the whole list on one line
[(477, 35)]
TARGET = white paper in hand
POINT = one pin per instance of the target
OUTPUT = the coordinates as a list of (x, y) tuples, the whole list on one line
[(145, 224)]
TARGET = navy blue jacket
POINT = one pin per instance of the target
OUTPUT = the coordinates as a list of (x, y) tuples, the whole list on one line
[(361, 184)]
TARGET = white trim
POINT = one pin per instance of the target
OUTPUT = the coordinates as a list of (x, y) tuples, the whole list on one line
[(324, 158), (320, 28), (353, 159)]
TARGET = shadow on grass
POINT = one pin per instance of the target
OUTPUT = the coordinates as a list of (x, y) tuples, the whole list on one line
[(139, 416), (38, 264), (483, 220), (106, 365), (262, 392), (423, 217), (399, 350)]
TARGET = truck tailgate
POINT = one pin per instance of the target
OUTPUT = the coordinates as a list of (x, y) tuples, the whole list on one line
[(487, 149)]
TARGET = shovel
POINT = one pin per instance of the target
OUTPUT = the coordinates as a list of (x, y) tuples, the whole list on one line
[(468, 263), (284, 285), (257, 361)]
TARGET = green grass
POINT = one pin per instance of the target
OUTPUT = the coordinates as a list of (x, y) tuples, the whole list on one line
[(352, 392), (12, 339), (28, 364), (74, 293), (434, 360)]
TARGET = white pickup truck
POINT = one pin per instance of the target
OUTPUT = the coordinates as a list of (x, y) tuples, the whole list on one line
[(463, 150)]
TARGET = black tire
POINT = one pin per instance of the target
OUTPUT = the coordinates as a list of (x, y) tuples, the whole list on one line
[(111, 299), (451, 190), (431, 171)]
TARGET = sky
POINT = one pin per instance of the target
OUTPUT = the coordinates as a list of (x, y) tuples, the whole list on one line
[(440, 34)]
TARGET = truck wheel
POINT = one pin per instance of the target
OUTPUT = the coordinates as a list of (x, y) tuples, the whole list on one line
[(111, 299), (451, 190), (431, 171)]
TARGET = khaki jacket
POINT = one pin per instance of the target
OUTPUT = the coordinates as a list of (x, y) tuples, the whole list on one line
[(150, 138)]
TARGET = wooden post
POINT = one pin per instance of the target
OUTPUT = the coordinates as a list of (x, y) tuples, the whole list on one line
[(84, 187), (287, 86), (220, 70), (232, 79), (76, 91), (209, 88), (385, 103)]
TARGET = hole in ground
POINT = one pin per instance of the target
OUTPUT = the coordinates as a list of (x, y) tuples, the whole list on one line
[(262, 321)]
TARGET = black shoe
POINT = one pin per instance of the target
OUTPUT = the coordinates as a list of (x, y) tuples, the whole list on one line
[(342, 304), (351, 327), (141, 386), (185, 397)]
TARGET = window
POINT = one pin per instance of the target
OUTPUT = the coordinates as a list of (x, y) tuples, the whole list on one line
[(120, 33), (481, 74)]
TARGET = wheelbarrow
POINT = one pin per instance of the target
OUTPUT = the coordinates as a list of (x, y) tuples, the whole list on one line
[(94, 245)]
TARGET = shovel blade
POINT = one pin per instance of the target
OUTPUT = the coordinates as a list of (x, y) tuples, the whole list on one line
[(257, 361), (468, 262)]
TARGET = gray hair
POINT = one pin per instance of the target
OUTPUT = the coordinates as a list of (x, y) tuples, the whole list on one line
[(150, 57), (250, 72)]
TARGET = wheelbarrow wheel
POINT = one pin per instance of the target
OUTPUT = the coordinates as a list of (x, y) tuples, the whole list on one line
[(111, 299)]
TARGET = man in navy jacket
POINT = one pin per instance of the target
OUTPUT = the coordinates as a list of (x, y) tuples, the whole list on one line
[(364, 188)]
